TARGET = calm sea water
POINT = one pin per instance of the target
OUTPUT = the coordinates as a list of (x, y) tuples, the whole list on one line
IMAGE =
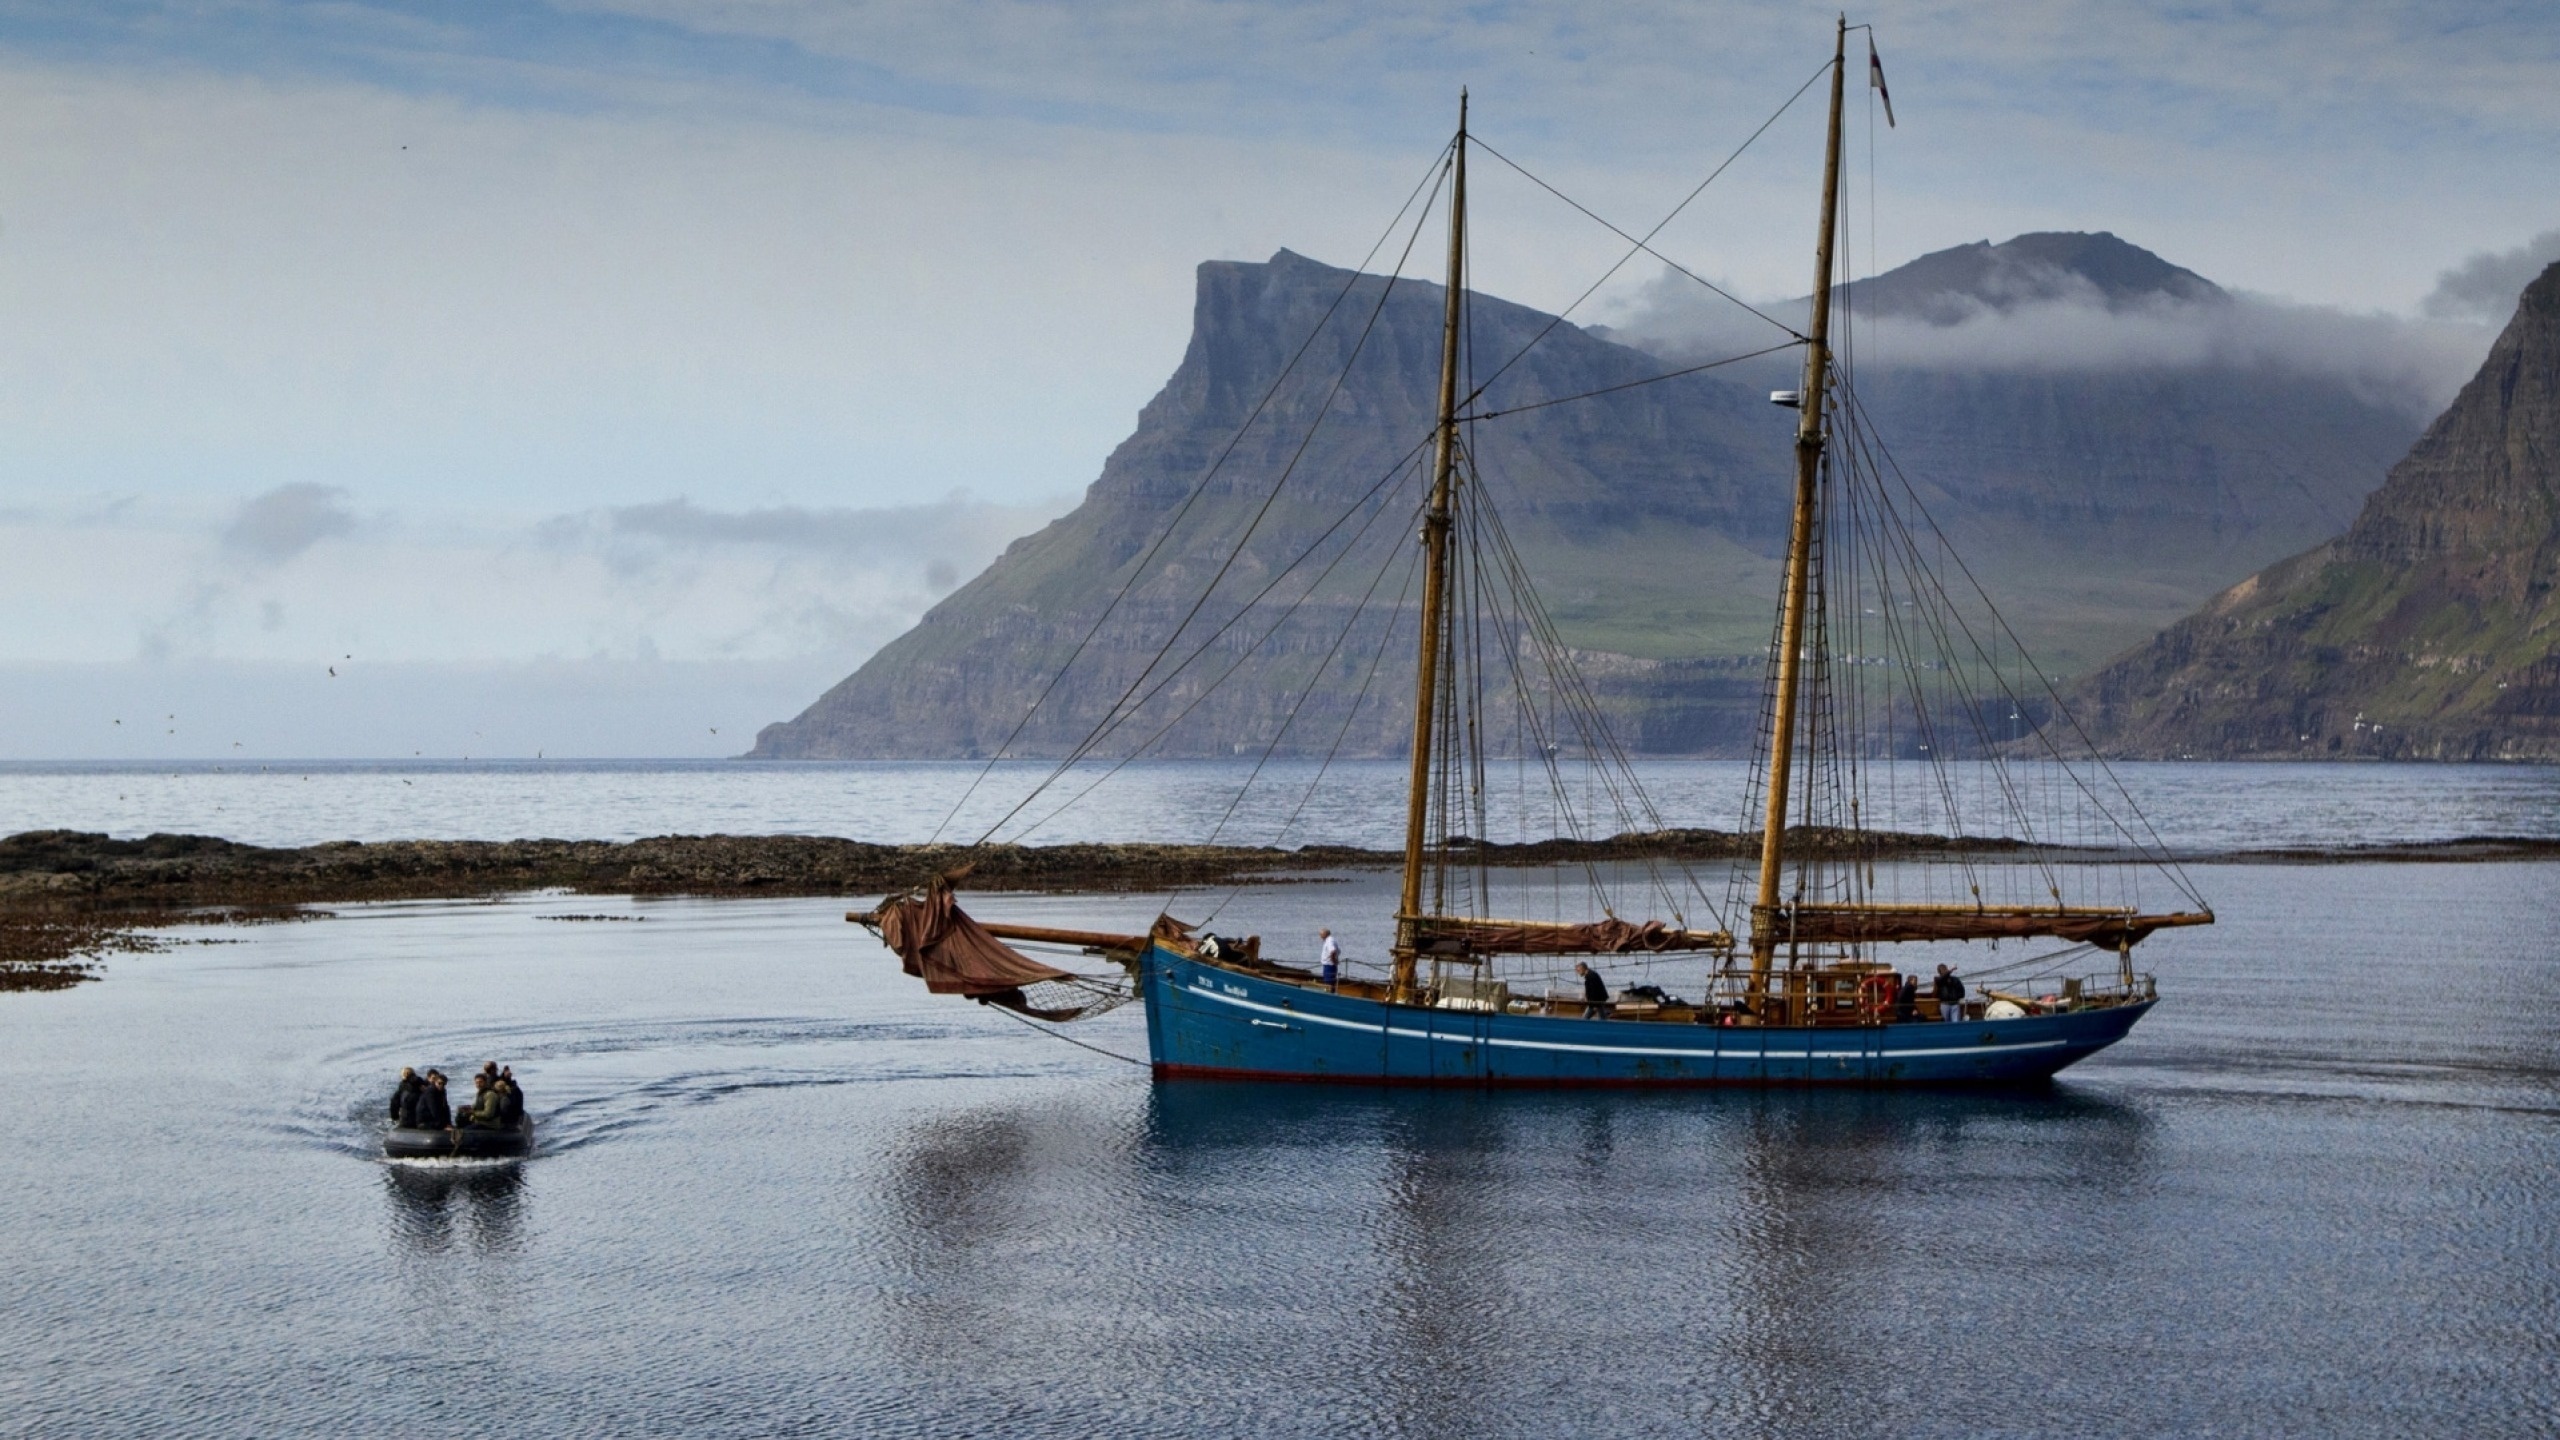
[(2216, 807), (781, 1191)]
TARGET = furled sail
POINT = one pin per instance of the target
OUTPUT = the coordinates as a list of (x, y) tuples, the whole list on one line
[(939, 944), (1889, 924), (1449, 934)]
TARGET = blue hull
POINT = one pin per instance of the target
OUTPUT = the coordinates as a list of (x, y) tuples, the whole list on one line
[(1208, 1021)]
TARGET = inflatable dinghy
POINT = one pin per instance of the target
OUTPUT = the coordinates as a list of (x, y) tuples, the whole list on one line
[(469, 1143)]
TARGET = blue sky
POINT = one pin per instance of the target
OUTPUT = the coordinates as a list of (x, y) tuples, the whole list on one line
[(486, 289)]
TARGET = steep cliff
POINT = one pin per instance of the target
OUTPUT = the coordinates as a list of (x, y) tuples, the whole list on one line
[(2103, 503), (1620, 499), (2430, 629)]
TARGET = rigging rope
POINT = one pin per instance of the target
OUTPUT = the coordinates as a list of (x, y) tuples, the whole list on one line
[(2148, 843), (1613, 767), (1112, 717), (1359, 698), (1632, 384), (1644, 246), (1316, 679), (1070, 1039), (1211, 688), (1437, 168)]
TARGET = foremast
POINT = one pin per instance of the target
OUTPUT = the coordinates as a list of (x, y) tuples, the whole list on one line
[(1435, 571), (1766, 921)]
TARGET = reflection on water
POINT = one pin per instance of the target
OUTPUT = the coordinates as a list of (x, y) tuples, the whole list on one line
[(438, 1207), (1470, 1263)]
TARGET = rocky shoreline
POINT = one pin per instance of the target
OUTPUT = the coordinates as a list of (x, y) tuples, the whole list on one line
[(68, 871), (67, 896)]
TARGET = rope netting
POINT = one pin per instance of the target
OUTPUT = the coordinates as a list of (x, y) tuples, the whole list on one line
[(1079, 997)]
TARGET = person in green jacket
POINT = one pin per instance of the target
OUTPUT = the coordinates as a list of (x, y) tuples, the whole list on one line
[(485, 1104)]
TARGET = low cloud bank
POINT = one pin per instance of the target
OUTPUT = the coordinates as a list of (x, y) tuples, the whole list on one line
[(936, 539), (2411, 364), (302, 591), (2483, 288)]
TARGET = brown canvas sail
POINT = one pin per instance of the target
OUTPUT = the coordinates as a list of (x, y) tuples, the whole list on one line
[(939, 944), (1612, 936), (1889, 924)]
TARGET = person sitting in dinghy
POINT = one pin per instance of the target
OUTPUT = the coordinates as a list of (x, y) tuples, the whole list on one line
[(433, 1111), (404, 1097), (486, 1103)]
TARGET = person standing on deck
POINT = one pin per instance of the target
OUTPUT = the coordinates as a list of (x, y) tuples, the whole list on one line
[(1332, 960), (1950, 993), (1595, 991)]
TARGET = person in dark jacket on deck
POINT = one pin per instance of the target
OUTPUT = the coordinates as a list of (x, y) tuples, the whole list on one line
[(1950, 993), (1595, 992), (434, 1112), (404, 1098), (1906, 1006)]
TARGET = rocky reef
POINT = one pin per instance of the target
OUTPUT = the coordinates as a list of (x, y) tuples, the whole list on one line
[(68, 898)]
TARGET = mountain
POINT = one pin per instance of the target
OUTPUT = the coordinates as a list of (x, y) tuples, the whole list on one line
[(1947, 287), (1623, 495), (2103, 504), (2430, 629)]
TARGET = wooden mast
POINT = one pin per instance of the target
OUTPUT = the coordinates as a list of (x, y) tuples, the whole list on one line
[(1435, 565), (1765, 924)]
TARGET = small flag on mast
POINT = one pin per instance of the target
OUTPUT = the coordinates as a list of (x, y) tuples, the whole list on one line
[(1875, 77)]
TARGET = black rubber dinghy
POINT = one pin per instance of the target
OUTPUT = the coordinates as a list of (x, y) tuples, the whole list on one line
[(473, 1142)]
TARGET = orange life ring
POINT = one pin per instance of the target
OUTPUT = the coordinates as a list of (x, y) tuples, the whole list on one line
[(1875, 994)]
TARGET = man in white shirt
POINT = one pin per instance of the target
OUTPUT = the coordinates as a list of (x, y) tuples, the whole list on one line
[(1332, 960)]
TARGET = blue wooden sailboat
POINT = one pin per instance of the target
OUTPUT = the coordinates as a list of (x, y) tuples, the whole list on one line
[(1207, 1020), (1813, 994)]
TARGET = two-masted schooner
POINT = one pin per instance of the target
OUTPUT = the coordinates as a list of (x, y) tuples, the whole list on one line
[(1811, 994)]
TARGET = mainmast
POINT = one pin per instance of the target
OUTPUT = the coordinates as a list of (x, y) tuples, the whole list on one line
[(1765, 925), (1435, 566)]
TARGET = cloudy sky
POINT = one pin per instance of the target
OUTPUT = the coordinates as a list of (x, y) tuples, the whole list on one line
[(610, 376)]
